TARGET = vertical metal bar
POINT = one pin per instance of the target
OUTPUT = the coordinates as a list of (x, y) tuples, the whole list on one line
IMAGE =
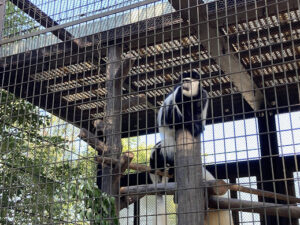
[(136, 213), (233, 194), (2, 16)]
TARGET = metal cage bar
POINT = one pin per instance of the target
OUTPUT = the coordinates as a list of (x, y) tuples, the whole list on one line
[(85, 102)]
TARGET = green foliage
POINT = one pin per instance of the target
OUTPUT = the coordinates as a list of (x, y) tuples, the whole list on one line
[(139, 147), (97, 207), (16, 21), (45, 178)]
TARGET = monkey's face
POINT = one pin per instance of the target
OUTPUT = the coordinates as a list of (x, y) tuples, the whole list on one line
[(190, 87)]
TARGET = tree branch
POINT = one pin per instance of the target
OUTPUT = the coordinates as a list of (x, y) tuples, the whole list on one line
[(132, 166), (254, 207), (266, 194), (214, 187), (93, 141), (215, 202), (101, 125)]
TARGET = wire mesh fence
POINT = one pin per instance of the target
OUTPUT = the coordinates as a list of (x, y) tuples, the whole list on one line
[(149, 112)]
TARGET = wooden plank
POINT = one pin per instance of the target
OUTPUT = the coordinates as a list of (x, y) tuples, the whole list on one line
[(220, 51)]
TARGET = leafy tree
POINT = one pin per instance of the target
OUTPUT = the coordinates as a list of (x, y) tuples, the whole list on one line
[(45, 178), (16, 21)]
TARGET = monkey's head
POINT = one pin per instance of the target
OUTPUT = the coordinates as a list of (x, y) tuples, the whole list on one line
[(190, 84)]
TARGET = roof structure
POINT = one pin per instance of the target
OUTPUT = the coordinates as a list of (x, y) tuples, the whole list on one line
[(64, 72)]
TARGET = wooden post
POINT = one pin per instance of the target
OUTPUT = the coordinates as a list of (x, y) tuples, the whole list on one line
[(109, 173), (188, 175)]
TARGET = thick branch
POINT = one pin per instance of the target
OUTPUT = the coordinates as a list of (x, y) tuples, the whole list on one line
[(106, 160), (214, 187), (132, 166), (125, 161), (217, 187), (101, 125), (266, 194), (144, 168), (93, 141), (165, 188), (254, 207), (216, 202)]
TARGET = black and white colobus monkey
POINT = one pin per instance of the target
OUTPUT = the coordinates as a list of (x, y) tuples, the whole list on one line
[(185, 108)]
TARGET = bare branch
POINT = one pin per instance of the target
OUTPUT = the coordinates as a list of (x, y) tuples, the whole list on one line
[(101, 125), (132, 166), (214, 187), (215, 202), (166, 188), (144, 168), (266, 194), (92, 140), (125, 161), (254, 207), (106, 160)]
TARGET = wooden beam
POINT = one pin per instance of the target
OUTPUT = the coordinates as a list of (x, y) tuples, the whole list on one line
[(219, 49), (46, 21)]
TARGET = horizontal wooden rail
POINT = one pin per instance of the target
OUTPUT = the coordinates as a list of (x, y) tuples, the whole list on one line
[(216, 202)]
